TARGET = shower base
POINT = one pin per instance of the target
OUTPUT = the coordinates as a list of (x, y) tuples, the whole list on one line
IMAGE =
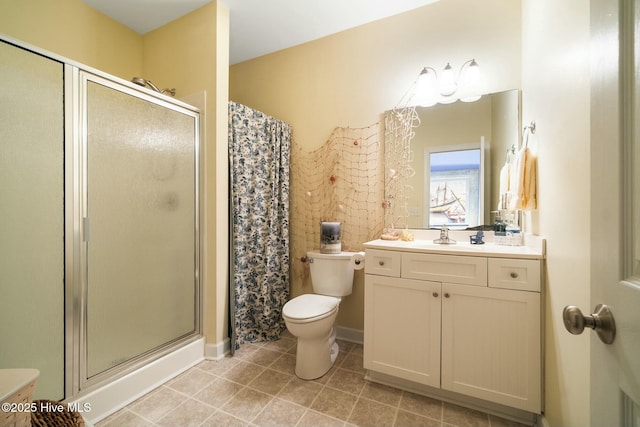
[(116, 395)]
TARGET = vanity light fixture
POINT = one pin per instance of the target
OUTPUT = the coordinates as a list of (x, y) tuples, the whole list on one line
[(430, 89)]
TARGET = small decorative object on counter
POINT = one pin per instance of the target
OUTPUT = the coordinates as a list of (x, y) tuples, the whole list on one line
[(330, 242), (477, 239), (406, 236), (509, 239), (390, 234), (511, 235), (499, 226), (512, 228)]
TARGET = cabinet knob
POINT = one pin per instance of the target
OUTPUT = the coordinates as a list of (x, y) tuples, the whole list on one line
[(435, 295), (447, 295), (514, 275), (381, 263)]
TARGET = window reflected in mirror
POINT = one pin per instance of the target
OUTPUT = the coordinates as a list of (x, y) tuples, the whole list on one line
[(455, 189)]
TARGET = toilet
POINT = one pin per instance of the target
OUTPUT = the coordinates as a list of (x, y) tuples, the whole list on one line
[(310, 317)]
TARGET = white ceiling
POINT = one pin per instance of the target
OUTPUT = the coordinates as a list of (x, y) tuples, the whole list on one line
[(258, 27)]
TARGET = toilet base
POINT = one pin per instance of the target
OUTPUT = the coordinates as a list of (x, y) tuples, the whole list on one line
[(314, 357)]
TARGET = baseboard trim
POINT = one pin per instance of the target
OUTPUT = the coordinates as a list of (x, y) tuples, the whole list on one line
[(349, 334), (542, 421), (217, 351)]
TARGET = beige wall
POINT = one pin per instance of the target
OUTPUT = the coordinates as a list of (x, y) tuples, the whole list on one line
[(190, 54), (76, 31), (181, 54), (351, 78), (555, 91)]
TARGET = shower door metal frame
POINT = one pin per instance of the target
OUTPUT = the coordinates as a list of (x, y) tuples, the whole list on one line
[(77, 382)]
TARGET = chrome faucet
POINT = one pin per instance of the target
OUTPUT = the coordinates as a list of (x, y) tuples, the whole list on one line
[(444, 237)]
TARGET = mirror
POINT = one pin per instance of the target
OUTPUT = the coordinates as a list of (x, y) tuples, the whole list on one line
[(418, 187)]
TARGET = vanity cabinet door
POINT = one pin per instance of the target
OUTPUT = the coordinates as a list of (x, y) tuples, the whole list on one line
[(491, 345), (402, 328)]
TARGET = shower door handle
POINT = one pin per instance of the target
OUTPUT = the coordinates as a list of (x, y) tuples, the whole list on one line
[(85, 229)]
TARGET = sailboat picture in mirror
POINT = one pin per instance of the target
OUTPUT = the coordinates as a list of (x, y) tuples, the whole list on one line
[(455, 179), (490, 125)]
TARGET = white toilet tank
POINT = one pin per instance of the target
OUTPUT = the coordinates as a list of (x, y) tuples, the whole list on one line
[(331, 274)]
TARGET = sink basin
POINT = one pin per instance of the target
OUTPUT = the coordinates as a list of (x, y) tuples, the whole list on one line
[(448, 242), (430, 244)]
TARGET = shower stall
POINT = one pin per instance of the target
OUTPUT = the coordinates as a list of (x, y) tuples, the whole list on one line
[(99, 237)]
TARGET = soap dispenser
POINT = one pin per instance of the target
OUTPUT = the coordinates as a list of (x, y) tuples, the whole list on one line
[(499, 227)]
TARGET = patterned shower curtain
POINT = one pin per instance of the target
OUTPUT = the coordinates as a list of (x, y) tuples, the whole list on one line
[(259, 153)]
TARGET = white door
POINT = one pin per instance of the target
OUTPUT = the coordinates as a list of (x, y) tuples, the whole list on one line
[(615, 210)]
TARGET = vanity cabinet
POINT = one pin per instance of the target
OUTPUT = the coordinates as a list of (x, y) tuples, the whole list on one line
[(402, 328), (470, 325)]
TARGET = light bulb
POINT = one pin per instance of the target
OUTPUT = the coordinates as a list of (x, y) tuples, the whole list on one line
[(471, 82), (426, 88), (472, 75), (448, 84)]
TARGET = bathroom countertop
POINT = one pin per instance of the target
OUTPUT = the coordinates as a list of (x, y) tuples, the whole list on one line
[(534, 246)]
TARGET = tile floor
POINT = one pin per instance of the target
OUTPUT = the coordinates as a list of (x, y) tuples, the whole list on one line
[(258, 387)]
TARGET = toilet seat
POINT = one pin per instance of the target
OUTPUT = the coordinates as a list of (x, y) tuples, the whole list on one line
[(309, 307)]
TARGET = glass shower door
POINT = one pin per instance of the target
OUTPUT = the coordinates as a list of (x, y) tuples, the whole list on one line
[(140, 225), (32, 216)]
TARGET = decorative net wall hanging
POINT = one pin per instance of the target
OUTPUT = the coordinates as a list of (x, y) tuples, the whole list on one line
[(340, 181), (398, 157)]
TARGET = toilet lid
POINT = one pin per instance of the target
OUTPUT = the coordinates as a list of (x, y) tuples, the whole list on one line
[(309, 305)]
